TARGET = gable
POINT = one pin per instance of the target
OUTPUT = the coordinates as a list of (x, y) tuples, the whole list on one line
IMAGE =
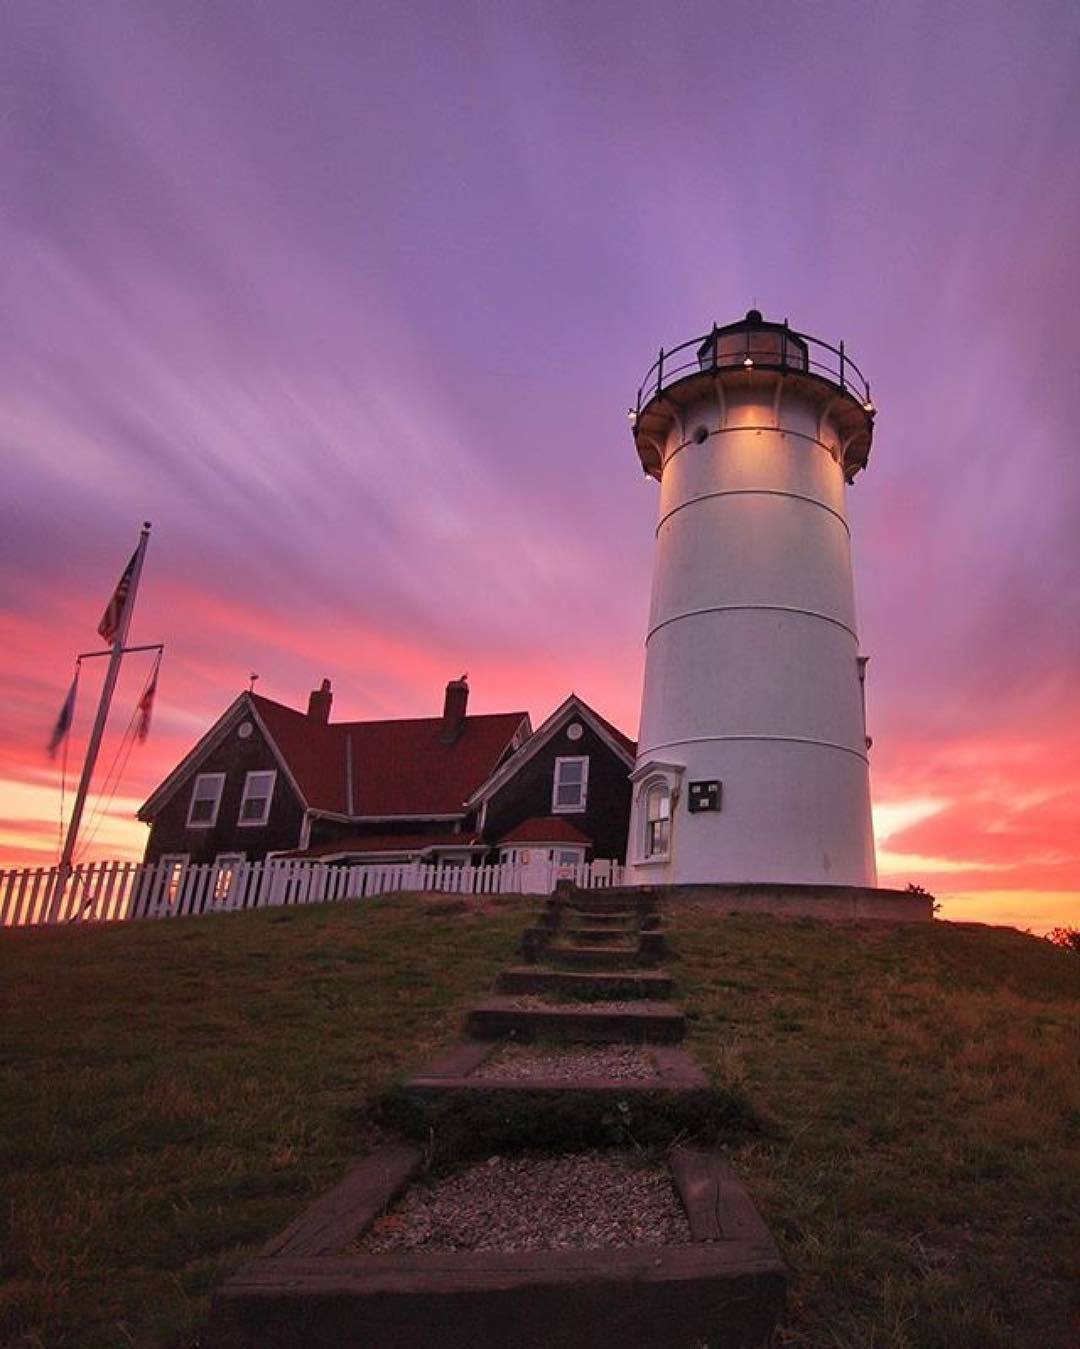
[(376, 769), (200, 757), (573, 708)]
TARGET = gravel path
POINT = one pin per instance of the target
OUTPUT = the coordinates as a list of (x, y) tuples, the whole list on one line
[(578, 1202), (535, 1002), (618, 1063)]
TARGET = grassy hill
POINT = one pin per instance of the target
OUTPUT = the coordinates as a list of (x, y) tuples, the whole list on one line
[(171, 1093)]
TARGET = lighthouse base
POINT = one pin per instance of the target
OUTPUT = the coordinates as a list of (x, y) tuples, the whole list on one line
[(830, 903)]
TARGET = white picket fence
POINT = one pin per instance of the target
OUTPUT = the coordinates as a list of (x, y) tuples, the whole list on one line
[(110, 892)]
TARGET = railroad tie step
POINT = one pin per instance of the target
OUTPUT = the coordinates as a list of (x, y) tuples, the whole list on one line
[(637, 1022), (596, 984), (600, 936)]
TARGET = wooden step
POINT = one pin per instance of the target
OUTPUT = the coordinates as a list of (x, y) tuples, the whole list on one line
[(616, 921), (594, 957), (725, 1288), (599, 984), (500, 1018), (601, 936)]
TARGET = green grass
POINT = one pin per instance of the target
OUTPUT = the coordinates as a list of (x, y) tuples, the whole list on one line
[(172, 1093), (923, 1086)]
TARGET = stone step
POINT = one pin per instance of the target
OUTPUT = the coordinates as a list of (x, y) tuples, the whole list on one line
[(599, 984), (637, 1022)]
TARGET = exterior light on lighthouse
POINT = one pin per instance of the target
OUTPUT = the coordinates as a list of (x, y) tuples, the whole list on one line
[(749, 363)]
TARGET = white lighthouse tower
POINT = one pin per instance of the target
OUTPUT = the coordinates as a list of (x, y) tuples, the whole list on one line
[(752, 756)]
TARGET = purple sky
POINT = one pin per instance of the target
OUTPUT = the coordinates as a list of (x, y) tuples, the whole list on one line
[(350, 300)]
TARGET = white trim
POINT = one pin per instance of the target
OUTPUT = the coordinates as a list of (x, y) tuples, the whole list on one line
[(241, 706), (383, 819), (171, 870), (646, 776), (651, 766), (776, 739), (578, 807), (548, 853), (654, 784), (179, 775), (219, 778), (544, 734), (264, 818)]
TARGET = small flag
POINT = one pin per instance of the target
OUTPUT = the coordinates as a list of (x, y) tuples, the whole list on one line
[(114, 610), (64, 720), (146, 704)]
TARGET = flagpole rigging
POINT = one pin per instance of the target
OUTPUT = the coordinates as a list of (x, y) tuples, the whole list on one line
[(63, 871)]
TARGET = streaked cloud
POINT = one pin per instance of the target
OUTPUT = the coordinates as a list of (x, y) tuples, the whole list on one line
[(352, 309)]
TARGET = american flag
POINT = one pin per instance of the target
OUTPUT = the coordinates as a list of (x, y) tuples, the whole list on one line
[(63, 721), (114, 610), (146, 703)]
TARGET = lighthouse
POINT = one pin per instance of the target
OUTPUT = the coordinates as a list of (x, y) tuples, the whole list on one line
[(752, 754)]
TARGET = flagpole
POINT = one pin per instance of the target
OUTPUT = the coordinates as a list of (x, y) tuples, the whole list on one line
[(63, 871)]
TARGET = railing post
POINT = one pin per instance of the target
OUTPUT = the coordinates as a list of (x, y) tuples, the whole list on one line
[(842, 383), (660, 371), (712, 338)]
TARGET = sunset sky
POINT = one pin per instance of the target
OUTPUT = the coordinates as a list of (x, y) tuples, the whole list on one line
[(350, 299)]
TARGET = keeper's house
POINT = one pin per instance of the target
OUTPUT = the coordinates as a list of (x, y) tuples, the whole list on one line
[(268, 779)]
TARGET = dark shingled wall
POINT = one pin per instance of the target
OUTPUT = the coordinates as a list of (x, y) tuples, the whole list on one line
[(606, 817)]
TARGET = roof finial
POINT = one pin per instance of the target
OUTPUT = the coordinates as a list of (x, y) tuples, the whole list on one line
[(252, 677)]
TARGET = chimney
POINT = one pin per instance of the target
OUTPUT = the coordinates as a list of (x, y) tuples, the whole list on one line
[(318, 703), (453, 717)]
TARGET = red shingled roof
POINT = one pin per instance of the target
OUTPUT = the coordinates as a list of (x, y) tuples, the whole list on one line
[(378, 843), (399, 767), (545, 829)]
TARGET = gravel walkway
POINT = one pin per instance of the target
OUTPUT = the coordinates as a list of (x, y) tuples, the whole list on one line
[(617, 1063), (578, 1202), (537, 1002)]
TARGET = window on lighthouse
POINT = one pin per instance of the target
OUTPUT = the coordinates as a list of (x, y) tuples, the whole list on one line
[(657, 820)]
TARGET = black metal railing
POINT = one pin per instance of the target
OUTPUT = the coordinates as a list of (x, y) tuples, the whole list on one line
[(755, 347)]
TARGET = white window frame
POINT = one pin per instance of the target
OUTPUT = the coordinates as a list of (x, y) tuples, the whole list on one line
[(648, 852), (579, 807), (219, 779), (247, 795), (226, 867), (172, 868)]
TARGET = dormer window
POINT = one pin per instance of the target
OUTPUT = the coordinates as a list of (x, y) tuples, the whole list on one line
[(255, 803), (571, 785), (205, 800)]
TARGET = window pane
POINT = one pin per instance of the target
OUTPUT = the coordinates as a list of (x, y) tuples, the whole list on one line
[(570, 770), (568, 794)]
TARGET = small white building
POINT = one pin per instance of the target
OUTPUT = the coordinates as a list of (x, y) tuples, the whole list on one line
[(752, 755)]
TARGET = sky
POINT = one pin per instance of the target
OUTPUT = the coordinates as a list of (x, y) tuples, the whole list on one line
[(350, 300)]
